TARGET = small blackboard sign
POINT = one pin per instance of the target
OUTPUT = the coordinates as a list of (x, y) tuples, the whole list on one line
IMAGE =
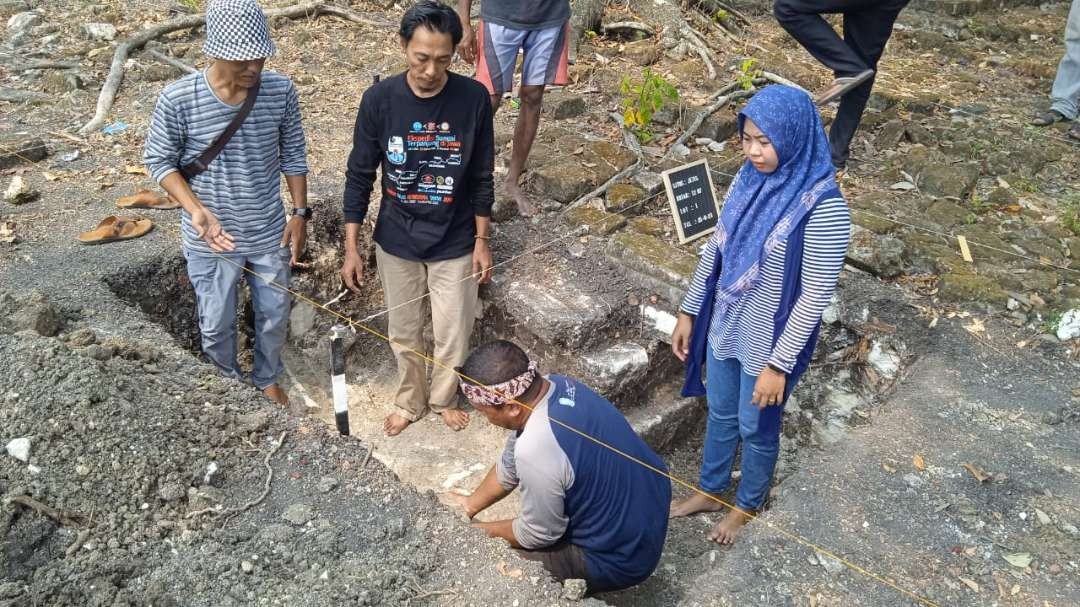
[(693, 200)]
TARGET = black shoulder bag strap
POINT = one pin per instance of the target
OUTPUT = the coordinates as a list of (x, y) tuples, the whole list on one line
[(201, 163)]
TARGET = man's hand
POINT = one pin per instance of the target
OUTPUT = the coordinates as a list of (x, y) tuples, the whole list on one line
[(680, 337), (352, 271), (482, 261), (209, 229), (769, 389), (467, 47), (295, 237), (462, 501)]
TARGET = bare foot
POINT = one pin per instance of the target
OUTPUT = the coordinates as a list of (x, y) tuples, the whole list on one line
[(276, 394), (456, 419), (393, 424), (694, 504), (525, 208), (725, 531)]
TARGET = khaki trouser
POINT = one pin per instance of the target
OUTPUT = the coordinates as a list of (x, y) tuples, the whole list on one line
[(453, 311)]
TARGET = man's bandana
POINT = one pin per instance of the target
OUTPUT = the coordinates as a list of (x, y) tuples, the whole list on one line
[(497, 395)]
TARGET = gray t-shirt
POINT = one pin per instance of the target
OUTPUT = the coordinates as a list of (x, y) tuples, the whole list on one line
[(526, 14), (534, 462)]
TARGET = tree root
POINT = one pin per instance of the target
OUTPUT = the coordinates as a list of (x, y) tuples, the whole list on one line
[(65, 518), (167, 60), (231, 512), (631, 142), (628, 26), (698, 45), (727, 95), (116, 71)]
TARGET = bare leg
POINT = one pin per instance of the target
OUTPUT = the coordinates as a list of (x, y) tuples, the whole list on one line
[(725, 531), (528, 122), (694, 504)]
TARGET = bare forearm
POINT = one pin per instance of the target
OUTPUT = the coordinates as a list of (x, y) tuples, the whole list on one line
[(297, 190), (488, 493), (352, 237), (503, 529), (483, 227), (464, 9), (174, 184)]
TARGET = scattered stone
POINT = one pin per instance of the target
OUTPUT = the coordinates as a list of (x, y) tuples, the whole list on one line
[(623, 196), (19, 448), (680, 151), (327, 484), (81, 338), (63, 81), (562, 104), (642, 52), (652, 183), (1002, 197), (99, 352), (298, 514), (831, 565), (19, 192), (880, 255), (665, 268), (20, 96), (38, 315), (598, 222), (574, 590), (172, 491), (252, 422), (274, 533), (20, 149), (884, 360), (100, 32), (19, 26), (8, 8), (652, 226), (301, 320), (1069, 326), (618, 366), (82, 469), (247, 567), (558, 312), (965, 287), (396, 527), (943, 180)]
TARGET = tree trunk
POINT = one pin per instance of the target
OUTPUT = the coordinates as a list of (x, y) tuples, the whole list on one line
[(584, 16)]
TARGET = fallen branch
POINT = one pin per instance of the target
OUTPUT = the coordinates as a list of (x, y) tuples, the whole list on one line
[(116, 71), (78, 543), (696, 123), (167, 60), (44, 65), (628, 26), (700, 48), (68, 519), (423, 594), (771, 77), (367, 456), (631, 142), (715, 5), (231, 512)]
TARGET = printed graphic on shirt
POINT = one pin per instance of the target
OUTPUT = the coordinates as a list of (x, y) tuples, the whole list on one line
[(395, 150), (436, 148)]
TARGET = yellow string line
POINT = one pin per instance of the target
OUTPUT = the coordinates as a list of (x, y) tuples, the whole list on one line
[(797, 538)]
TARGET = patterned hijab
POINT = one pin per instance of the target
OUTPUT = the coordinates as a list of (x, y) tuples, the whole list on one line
[(761, 210)]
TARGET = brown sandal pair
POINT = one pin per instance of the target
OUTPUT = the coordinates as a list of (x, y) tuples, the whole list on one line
[(145, 199)]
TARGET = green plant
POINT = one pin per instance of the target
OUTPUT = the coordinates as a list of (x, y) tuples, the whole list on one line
[(747, 73), (590, 35), (978, 205), (1070, 219), (643, 98), (1051, 323), (194, 5), (721, 16)]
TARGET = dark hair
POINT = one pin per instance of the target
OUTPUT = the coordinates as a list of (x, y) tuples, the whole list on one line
[(495, 362), (433, 15)]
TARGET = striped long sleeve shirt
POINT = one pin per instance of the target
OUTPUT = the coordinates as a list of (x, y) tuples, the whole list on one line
[(242, 186), (745, 332)]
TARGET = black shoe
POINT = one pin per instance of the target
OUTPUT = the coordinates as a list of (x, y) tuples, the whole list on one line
[(1047, 118)]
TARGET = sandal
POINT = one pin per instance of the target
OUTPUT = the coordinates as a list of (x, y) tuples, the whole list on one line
[(113, 228), (145, 199), (842, 85), (1047, 118)]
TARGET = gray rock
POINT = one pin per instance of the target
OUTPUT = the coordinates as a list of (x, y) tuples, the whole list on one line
[(649, 181), (557, 312), (21, 96), (98, 352), (19, 149), (327, 484), (574, 590), (680, 151), (19, 448), (396, 528), (38, 315), (561, 104), (20, 192), (880, 255), (63, 81), (81, 338), (10, 590), (301, 320), (101, 32), (172, 491), (948, 180), (274, 534), (298, 514), (19, 26), (246, 566), (617, 366), (8, 8)]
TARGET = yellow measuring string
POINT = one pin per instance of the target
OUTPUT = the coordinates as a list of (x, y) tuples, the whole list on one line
[(792, 536)]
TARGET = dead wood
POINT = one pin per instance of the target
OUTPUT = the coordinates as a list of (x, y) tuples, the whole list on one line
[(167, 60), (116, 71), (628, 28), (233, 511), (44, 65), (696, 123), (64, 517)]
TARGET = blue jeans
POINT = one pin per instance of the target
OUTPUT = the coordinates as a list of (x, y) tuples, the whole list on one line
[(1067, 83), (732, 417), (215, 282)]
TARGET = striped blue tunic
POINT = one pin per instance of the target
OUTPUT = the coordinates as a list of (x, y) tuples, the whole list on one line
[(242, 186), (745, 332)]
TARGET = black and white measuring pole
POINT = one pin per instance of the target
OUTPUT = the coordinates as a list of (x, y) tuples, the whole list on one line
[(337, 378)]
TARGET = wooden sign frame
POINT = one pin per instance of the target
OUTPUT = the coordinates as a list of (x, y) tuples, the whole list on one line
[(666, 176)]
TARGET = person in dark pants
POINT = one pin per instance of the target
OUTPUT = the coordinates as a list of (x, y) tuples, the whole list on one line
[(853, 59)]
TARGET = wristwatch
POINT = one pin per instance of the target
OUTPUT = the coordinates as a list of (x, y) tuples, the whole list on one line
[(302, 212)]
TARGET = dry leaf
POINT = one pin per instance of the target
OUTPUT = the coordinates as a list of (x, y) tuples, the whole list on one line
[(589, 165), (933, 323), (976, 326), (1013, 209), (578, 151), (887, 467), (1022, 343), (1020, 559), (1043, 517), (970, 584), (1015, 590), (975, 471), (136, 170), (918, 462), (49, 176)]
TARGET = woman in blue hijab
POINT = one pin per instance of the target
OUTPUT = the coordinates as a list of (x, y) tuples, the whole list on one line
[(751, 316)]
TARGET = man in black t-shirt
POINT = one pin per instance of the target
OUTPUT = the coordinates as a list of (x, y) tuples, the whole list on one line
[(431, 132)]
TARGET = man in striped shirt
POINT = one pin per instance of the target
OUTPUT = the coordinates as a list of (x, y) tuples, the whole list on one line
[(233, 216)]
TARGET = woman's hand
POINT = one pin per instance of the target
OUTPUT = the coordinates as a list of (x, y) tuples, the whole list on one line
[(769, 389), (680, 337)]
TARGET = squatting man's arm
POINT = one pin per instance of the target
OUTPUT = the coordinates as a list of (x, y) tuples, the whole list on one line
[(488, 493)]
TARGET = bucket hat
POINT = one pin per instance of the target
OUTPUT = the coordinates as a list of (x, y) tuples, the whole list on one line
[(236, 30)]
